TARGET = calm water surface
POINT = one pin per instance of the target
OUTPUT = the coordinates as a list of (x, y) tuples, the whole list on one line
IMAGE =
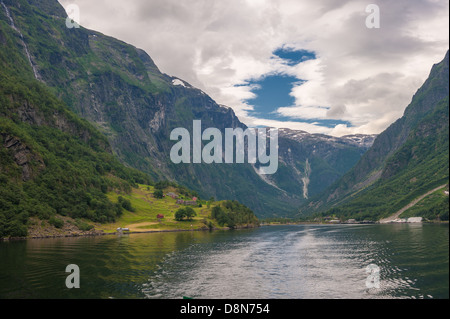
[(301, 261)]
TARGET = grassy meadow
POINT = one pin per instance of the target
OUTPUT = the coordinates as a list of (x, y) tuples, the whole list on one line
[(146, 209)]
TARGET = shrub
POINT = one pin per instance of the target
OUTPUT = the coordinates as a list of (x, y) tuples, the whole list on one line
[(55, 221), (82, 225), (125, 203)]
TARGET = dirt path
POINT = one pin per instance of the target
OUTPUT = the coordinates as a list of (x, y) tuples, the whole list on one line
[(414, 202), (140, 226)]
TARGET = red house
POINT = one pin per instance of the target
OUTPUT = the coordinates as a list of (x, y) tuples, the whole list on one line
[(160, 216)]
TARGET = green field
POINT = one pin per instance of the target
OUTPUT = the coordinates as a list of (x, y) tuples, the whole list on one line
[(147, 208)]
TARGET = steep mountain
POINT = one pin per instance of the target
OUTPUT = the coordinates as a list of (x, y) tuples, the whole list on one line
[(119, 89), (51, 161), (316, 160), (407, 160)]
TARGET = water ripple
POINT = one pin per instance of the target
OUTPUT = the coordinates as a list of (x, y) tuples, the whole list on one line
[(310, 261)]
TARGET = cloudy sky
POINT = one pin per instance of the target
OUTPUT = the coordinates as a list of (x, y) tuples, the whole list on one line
[(301, 64)]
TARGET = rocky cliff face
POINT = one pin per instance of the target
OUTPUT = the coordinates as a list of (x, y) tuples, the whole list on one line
[(315, 161), (120, 89), (52, 162), (29, 162)]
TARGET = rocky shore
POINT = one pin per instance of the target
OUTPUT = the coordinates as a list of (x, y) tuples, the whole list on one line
[(42, 229)]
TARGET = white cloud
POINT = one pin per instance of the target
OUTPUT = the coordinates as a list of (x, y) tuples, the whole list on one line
[(364, 76)]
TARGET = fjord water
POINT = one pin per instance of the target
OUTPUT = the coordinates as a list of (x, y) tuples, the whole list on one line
[(278, 262)]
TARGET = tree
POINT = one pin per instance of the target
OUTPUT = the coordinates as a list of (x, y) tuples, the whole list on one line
[(158, 194), (125, 203), (180, 214), (162, 184), (233, 214), (190, 213), (187, 212), (216, 212)]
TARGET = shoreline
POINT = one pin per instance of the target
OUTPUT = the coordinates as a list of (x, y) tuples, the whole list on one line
[(373, 223), (101, 233)]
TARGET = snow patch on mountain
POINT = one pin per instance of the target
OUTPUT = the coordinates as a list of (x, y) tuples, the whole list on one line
[(178, 82)]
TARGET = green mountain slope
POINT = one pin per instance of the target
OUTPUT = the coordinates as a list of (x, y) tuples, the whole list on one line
[(51, 161), (54, 165), (433, 206), (407, 160), (120, 90)]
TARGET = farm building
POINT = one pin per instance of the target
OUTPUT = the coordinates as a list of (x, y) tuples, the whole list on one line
[(187, 202)]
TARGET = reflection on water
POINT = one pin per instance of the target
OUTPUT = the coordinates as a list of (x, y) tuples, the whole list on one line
[(302, 261)]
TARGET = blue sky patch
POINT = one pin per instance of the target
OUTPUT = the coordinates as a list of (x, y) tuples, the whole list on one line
[(294, 57), (273, 91)]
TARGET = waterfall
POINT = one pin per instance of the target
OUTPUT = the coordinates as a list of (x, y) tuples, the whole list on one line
[(305, 179), (36, 75)]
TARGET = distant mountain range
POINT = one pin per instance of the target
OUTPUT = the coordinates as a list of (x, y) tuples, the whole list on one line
[(119, 90)]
